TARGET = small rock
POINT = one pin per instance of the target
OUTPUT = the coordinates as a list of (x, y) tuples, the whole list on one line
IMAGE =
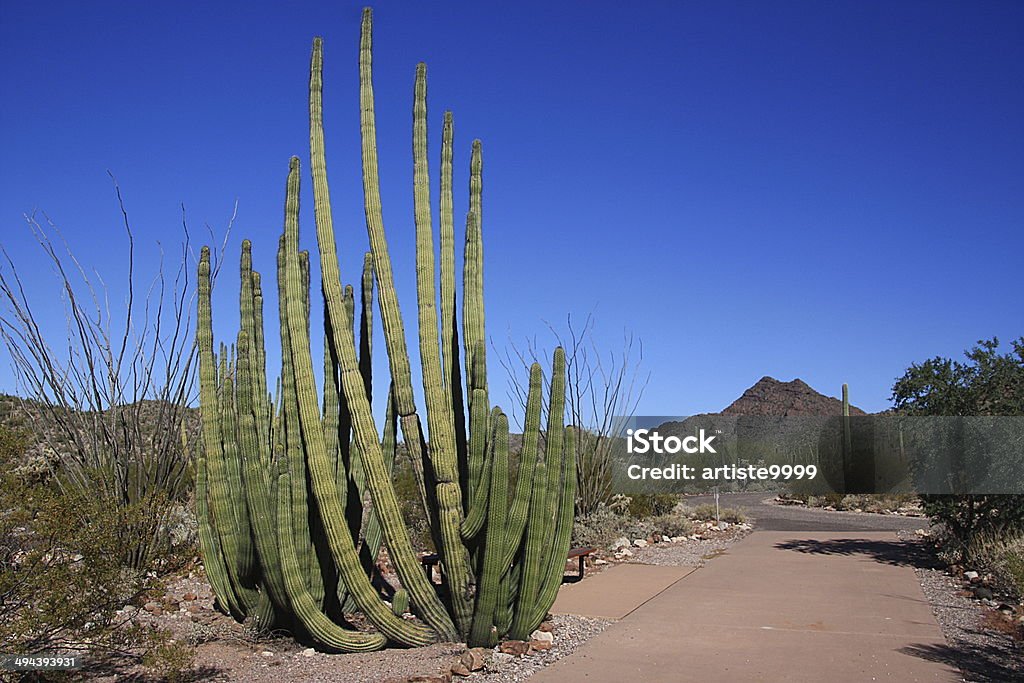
[(540, 645), (473, 658), (971, 576), (500, 658), (640, 543), (308, 652), (546, 636), (598, 561), (546, 626), (514, 647), (267, 653), (624, 552), (188, 597), (722, 526), (153, 608), (656, 538), (620, 542), (982, 593), (460, 669)]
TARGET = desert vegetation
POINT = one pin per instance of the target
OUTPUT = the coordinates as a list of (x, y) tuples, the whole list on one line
[(286, 536)]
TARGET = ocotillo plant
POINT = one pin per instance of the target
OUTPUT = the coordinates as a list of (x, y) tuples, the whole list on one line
[(285, 537)]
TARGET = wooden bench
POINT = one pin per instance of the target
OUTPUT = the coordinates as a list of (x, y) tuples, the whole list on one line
[(428, 561)]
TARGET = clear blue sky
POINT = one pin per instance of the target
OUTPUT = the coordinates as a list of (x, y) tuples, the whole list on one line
[(798, 189)]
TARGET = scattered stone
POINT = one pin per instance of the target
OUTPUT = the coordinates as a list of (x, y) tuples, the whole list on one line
[(308, 652), (473, 658), (971, 576), (540, 645), (514, 647), (982, 593), (153, 608), (546, 626), (544, 636), (267, 653), (722, 526), (501, 658), (460, 669), (640, 543), (188, 597), (598, 561), (624, 552), (620, 542)]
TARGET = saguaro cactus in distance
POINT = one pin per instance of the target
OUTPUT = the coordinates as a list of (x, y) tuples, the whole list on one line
[(283, 479)]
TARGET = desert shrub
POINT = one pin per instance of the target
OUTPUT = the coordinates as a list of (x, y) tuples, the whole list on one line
[(707, 512), (671, 525), (645, 505), (167, 657), (1002, 555), (107, 396), (62, 581), (988, 383), (600, 528)]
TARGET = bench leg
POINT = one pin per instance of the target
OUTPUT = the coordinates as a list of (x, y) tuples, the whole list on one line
[(581, 566)]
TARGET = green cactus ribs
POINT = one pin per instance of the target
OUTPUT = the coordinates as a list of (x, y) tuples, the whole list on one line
[(295, 491)]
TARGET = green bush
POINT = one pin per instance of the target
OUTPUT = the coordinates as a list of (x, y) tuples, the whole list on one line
[(62, 577), (989, 383), (600, 528), (1002, 555), (652, 504), (706, 512), (671, 525)]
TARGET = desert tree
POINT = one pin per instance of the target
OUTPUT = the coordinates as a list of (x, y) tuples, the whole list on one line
[(603, 388), (109, 398)]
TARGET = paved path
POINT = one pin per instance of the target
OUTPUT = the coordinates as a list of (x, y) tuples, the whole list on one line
[(778, 606)]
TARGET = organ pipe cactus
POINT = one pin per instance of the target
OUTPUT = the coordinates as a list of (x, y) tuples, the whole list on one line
[(282, 480)]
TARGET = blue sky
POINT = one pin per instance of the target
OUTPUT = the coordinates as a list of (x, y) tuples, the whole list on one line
[(828, 191)]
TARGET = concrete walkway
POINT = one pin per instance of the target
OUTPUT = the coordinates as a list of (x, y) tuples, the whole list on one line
[(778, 606)]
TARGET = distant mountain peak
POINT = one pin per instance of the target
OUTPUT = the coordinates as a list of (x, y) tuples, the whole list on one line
[(770, 396)]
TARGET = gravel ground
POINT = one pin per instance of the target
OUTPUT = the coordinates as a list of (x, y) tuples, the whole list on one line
[(689, 553), (981, 654), (274, 661)]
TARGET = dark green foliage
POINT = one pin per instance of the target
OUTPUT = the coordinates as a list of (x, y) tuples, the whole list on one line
[(989, 383), (62, 579), (652, 504)]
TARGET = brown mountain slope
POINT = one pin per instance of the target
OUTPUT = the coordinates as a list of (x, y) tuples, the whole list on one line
[(769, 396)]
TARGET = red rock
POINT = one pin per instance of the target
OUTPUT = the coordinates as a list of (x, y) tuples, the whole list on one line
[(514, 647), (460, 669), (546, 626), (540, 644), (473, 659)]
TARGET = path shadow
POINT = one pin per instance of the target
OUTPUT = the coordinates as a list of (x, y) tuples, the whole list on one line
[(983, 664), (897, 553)]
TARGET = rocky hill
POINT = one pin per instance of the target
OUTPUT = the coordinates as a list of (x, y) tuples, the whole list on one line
[(769, 396)]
